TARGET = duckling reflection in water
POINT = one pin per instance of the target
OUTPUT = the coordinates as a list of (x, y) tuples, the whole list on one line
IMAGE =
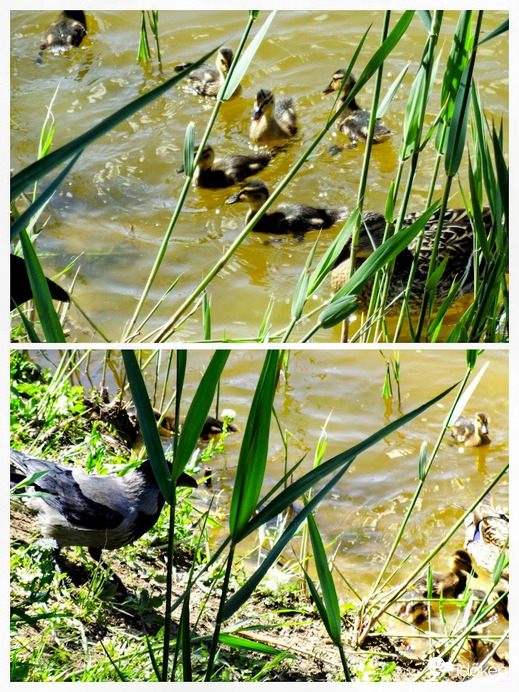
[(67, 31), (286, 217), (486, 535), (273, 121), (450, 585), (207, 80), (354, 121), (215, 173), (471, 433), (455, 247)]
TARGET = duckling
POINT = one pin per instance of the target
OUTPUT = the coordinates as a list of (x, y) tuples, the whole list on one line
[(287, 217), (500, 606), (456, 246), (450, 585), (486, 534), (471, 433), (273, 122), (21, 290), (206, 80), (68, 30), (229, 170), (354, 120)]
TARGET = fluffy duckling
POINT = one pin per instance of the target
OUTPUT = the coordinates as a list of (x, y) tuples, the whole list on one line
[(456, 247), (354, 120), (500, 606), (286, 217), (471, 433), (229, 170), (273, 121), (450, 585), (206, 80), (21, 290), (486, 534), (68, 30)]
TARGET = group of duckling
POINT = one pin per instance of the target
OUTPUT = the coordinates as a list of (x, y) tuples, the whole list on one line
[(273, 124), (486, 537)]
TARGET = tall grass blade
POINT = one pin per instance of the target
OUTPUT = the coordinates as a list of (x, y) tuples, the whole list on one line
[(198, 410), (245, 60), (254, 448)]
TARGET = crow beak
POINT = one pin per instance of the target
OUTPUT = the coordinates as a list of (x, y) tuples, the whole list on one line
[(185, 481)]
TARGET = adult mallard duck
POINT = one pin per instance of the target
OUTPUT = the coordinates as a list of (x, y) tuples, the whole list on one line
[(286, 217), (354, 121), (486, 535), (471, 433), (455, 246), (450, 585), (206, 80), (273, 121), (68, 30), (228, 170)]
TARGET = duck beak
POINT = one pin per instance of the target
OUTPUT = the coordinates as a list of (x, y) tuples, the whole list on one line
[(233, 199), (328, 89), (181, 169), (484, 428), (256, 115)]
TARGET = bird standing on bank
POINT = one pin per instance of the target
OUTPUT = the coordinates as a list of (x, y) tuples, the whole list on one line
[(96, 512)]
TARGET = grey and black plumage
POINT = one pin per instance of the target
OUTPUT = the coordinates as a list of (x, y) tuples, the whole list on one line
[(456, 247), (67, 31), (471, 433), (286, 217), (21, 290), (354, 120), (96, 512), (229, 170), (206, 79), (486, 535), (274, 121)]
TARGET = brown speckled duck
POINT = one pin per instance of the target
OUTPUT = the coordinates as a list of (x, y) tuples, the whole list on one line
[(456, 247), (486, 535), (221, 172), (286, 217), (450, 585), (471, 433), (207, 80), (354, 121), (273, 121), (67, 31)]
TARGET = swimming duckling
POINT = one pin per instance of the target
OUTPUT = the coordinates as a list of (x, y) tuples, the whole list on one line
[(471, 433), (354, 120), (273, 122), (68, 30), (450, 585), (229, 170), (206, 80), (287, 217), (486, 534), (21, 290), (455, 246)]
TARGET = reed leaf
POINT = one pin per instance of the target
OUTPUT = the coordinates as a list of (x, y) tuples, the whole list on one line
[(501, 29), (41, 294), (330, 614), (189, 149), (469, 390), (198, 410), (239, 70), (254, 448), (246, 644), (147, 423)]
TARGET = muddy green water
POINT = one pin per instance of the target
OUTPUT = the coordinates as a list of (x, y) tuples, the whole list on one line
[(115, 206)]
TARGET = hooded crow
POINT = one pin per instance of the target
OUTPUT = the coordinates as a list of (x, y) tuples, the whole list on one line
[(21, 290), (97, 512)]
